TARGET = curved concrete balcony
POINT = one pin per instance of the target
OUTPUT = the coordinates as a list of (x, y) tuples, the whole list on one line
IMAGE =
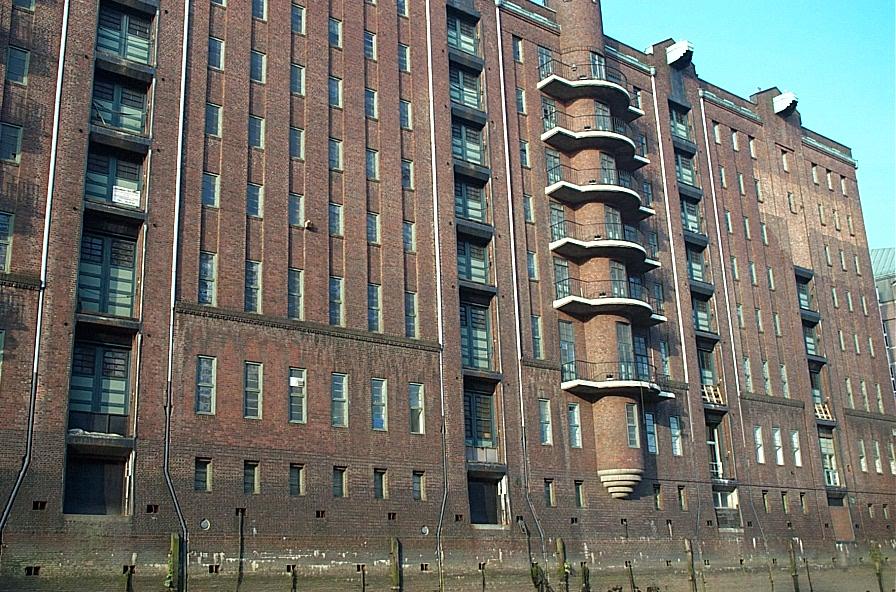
[(583, 73), (620, 483), (585, 299), (609, 240), (601, 185), (592, 380), (572, 133)]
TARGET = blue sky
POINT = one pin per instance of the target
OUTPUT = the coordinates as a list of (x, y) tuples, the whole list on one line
[(838, 57)]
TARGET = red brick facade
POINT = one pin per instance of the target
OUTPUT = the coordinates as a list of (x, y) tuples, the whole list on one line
[(600, 171)]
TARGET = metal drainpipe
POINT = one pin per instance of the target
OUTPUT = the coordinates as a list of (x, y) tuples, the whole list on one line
[(516, 297), (45, 248), (439, 299), (175, 248)]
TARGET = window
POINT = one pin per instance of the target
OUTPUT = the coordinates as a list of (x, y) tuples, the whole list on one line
[(297, 17), (298, 401), (296, 479), (215, 53), (757, 187), (409, 236), (334, 33), (402, 7), (863, 459), (373, 228), (675, 430), (212, 119), (748, 375), (10, 143), (211, 189), (537, 347), (549, 498), (260, 9), (573, 417), (531, 265), (334, 91), (785, 161), (785, 505), (779, 445), (517, 48), (340, 485), (766, 378), (410, 314), (632, 428), (759, 325), (657, 497), (374, 312), (297, 79), (891, 453), (880, 399), (716, 132), (407, 174), (467, 144), (546, 431), (682, 498), (258, 67), (734, 270), (404, 58), (524, 153), (380, 484), (254, 200), (791, 202), (728, 225), (256, 132), (207, 277), (478, 419), (462, 34), (296, 143), (335, 154), (417, 408), (765, 504), (418, 485), (650, 433), (405, 114), (752, 143), (741, 188), (475, 332), (834, 299), (106, 274), (6, 233), (822, 217), (205, 384), (785, 383), (369, 45), (878, 463), (336, 304), (379, 404), (759, 445), (753, 278), (252, 390), (252, 292), (371, 110), (339, 400), (580, 493), (520, 100), (202, 474), (723, 179)]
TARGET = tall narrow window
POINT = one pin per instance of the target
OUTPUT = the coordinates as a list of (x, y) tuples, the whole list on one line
[(260, 9), (675, 431), (298, 406), (297, 19), (6, 233), (537, 347), (252, 390), (404, 58), (417, 408), (650, 432), (546, 432), (253, 287), (575, 425), (336, 303), (778, 442), (254, 200), (334, 32), (205, 384), (863, 458), (759, 444), (295, 287), (340, 485), (256, 132), (379, 401), (632, 427), (202, 474), (296, 479), (380, 484), (418, 485), (374, 309), (339, 400), (410, 314)]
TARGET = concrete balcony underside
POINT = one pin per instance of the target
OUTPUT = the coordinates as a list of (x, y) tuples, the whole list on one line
[(586, 87), (630, 252), (626, 200), (592, 390), (623, 147), (638, 311)]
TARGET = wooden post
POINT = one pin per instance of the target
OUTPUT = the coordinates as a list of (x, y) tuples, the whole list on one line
[(771, 578), (692, 576), (586, 577), (562, 565), (363, 578), (876, 561), (482, 573), (631, 578), (794, 574), (808, 575), (395, 563)]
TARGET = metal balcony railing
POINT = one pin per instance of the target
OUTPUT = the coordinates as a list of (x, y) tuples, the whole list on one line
[(595, 290), (712, 394), (581, 64), (831, 477), (127, 120), (601, 231), (823, 412), (597, 176), (608, 371), (728, 517), (588, 123), (716, 470)]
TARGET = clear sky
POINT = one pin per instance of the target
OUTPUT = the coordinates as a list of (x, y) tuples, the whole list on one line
[(838, 57)]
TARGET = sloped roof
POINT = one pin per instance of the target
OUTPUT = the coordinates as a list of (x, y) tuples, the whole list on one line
[(883, 262)]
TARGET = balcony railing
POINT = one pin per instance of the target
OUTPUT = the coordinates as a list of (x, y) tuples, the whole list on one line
[(608, 371), (588, 123), (728, 517), (712, 394), (103, 423), (823, 412), (682, 130), (578, 65), (597, 176), (127, 120), (482, 454), (600, 231), (596, 290), (716, 470)]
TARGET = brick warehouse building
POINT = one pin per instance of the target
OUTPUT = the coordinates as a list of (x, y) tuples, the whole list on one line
[(667, 325)]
